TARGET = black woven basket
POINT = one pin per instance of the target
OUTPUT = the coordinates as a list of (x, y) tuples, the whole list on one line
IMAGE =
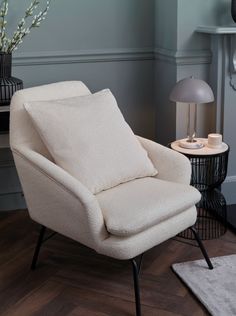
[(8, 86)]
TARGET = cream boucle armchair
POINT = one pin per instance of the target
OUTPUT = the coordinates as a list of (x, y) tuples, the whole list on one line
[(122, 222)]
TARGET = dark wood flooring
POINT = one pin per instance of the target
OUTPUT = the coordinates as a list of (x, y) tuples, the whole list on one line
[(73, 280)]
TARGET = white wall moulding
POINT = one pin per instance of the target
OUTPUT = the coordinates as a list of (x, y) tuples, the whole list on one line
[(193, 57), (229, 31), (223, 82), (233, 61), (224, 49), (4, 108), (184, 57), (230, 179), (216, 29), (12, 201), (88, 56)]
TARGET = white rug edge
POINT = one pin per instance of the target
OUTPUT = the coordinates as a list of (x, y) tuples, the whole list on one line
[(204, 304), (174, 265)]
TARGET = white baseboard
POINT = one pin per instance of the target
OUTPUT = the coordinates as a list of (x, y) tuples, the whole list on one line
[(230, 179)]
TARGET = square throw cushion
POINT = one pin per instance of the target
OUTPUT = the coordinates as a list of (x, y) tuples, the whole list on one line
[(89, 138)]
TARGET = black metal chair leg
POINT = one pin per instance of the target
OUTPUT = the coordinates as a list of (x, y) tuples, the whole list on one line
[(203, 250), (140, 264), (37, 248), (136, 286)]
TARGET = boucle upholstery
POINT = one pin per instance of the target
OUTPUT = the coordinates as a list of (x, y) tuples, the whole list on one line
[(135, 206), (22, 130), (87, 136), (171, 166), (124, 248), (57, 200)]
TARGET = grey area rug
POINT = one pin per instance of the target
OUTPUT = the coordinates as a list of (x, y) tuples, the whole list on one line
[(216, 288)]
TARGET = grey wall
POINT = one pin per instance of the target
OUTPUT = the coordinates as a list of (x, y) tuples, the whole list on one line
[(181, 52), (105, 43), (137, 48), (91, 24)]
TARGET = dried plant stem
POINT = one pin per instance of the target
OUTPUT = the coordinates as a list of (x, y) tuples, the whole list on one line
[(9, 45), (3, 23)]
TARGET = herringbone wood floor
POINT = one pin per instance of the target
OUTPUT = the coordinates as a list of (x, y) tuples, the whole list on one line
[(73, 280)]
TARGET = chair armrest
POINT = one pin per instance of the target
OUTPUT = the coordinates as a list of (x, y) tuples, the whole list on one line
[(171, 165), (58, 200)]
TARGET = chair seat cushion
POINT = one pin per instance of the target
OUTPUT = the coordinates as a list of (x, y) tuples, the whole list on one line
[(132, 207), (89, 138)]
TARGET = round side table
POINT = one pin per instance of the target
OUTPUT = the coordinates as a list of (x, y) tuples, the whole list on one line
[(209, 169)]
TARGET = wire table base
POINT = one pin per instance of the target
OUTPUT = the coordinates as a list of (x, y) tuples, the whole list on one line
[(208, 173), (212, 216)]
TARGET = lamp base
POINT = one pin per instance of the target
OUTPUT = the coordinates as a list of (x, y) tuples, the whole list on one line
[(195, 144)]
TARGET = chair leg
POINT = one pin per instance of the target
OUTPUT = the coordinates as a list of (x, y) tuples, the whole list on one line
[(38, 246), (136, 270), (203, 250), (140, 264)]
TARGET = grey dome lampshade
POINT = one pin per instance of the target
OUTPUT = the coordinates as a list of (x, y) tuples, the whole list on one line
[(191, 90)]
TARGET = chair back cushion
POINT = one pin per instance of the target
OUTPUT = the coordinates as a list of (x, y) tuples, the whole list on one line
[(89, 138), (22, 131)]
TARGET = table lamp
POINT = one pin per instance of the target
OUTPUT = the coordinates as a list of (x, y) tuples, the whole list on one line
[(192, 91)]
